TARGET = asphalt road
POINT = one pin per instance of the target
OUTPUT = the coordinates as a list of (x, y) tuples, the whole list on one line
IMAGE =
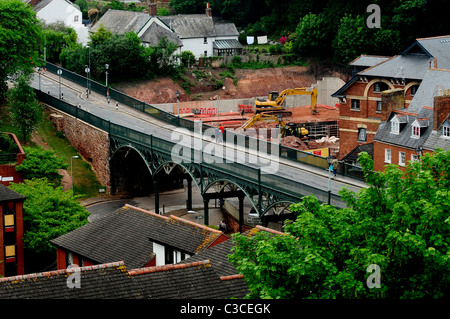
[(126, 116)]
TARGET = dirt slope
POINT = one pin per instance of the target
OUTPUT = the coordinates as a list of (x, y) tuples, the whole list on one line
[(250, 83)]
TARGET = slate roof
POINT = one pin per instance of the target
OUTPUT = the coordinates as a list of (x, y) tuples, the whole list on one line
[(368, 60), (128, 234), (399, 67), (122, 21), (225, 29), (420, 109), (436, 140), (436, 47), (190, 25), (196, 280), (155, 32), (7, 194), (96, 282)]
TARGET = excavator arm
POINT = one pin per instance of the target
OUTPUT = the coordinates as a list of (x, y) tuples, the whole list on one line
[(276, 104)]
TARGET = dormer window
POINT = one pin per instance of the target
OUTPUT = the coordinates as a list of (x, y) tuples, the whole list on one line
[(415, 131), (416, 127), (395, 126), (446, 130)]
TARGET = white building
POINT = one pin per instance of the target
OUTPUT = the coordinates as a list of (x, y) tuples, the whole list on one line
[(51, 11), (201, 34)]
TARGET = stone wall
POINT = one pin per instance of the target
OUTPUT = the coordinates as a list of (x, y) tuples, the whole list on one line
[(91, 143)]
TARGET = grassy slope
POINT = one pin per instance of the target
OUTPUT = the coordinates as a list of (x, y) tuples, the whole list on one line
[(85, 181)]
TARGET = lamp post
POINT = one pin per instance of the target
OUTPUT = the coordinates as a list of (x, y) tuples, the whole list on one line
[(87, 80), (89, 70), (178, 101), (329, 161), (39, 72), (59, 73), (71, 170), (107, 90)]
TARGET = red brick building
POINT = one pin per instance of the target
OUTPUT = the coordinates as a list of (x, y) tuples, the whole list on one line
[(422, 127), (11, 232), (381, 84)]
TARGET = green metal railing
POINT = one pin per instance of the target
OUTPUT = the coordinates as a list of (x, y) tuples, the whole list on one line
[(270, 182), (288, 153)]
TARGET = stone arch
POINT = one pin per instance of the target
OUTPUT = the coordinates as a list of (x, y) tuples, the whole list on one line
[(372, 82)]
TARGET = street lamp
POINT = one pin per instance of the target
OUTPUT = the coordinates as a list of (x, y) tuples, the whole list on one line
[(87, 80), (71, 170), (329, 161), (107, 90), (89, 70), (178, 101), (59, 73), (39, 72)]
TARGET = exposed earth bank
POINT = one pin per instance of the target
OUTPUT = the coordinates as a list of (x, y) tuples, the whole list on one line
[(244, 84)]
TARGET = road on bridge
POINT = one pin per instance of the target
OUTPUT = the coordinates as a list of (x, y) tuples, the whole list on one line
[(126, 116)]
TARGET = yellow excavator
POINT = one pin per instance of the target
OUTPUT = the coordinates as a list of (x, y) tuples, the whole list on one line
[(274, 104), (289, 129)]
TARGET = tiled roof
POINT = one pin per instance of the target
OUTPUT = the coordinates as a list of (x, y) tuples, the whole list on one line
[(7, 194), (196, 280), (190, 25), (122, 21), (155, 32), (400, 67), (368, 60), (95, 282), (127, 234), (420, 109)]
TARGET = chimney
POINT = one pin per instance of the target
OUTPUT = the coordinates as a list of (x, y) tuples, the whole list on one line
[(152, 8), (441, 110), (390, 100), (208, 10)]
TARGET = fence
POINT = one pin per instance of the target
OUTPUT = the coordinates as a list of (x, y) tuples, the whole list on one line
[(284, 152)]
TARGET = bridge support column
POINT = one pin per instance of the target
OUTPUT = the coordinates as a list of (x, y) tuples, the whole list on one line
[(189, 191), (241, 212), (206, 211), (156, 190)]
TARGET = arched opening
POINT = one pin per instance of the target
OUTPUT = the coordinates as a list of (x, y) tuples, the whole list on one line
[(130, 174)]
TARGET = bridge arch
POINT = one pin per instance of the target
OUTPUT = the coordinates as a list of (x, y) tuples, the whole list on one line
[(130, 172)]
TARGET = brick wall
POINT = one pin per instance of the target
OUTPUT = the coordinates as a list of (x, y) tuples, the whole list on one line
[(90, 142), (379, 155)]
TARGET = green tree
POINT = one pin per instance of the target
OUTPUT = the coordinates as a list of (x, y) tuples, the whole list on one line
[(352, 38), (313, 36), (48, 213), (25, 110), (57, 36), (20, 35), (40, 163), (401, 223)]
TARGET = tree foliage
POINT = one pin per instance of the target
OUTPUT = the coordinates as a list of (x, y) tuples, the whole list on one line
[(48, 213), (40, 163), (20, 35), (25, 110), (401, 223)]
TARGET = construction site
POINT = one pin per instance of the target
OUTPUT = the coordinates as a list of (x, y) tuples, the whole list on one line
[(312, 128), (288, 98)]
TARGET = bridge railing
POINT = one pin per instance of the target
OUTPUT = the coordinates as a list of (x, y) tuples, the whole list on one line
[(278, 184), (292, 154)]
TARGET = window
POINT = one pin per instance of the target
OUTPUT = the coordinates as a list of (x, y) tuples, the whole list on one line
[(205, 40), (401, 158), (379, 87), (75, 18), (414, 157), (355, 105), (414, 89), (378, 106), (395, 127), (206, 53), (387, 155), (446, 131), (362, 136), (415, 131)]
